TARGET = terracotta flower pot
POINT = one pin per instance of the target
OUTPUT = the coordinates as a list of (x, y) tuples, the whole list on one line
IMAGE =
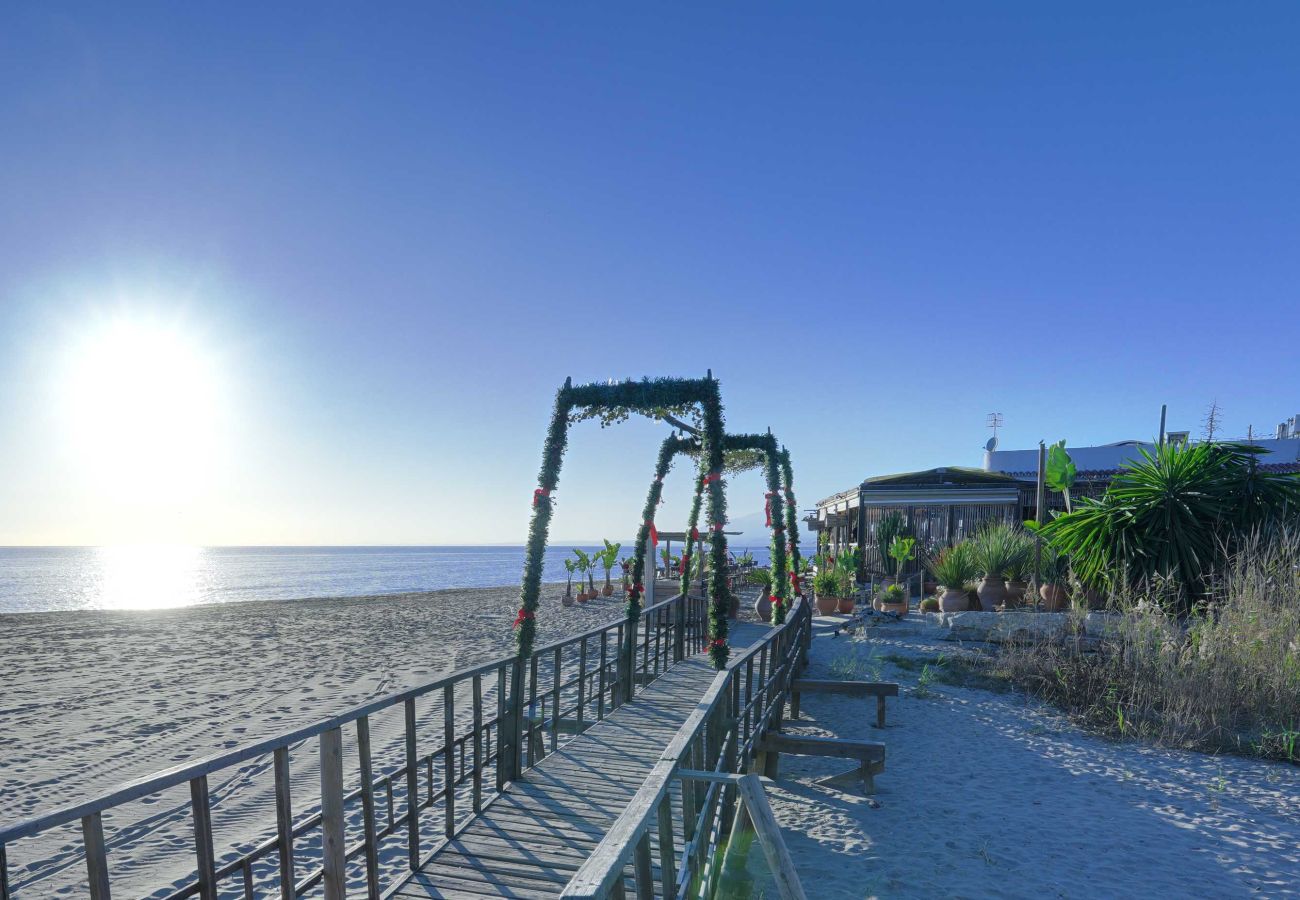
[(1055, 597), (954, 600), (763, 606), (992, 593), (844, 605), (825, 605), (900, 608), (607, 590), (1096, 599), (582, 597), (1016, 594), (568, 600), (930, 604), (929, 588)]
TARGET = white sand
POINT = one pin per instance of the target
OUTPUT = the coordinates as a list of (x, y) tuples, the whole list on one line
[(987, 795), (90, 700)]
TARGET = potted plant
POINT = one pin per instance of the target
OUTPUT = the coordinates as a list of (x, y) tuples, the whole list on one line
[(608, 557), (889, 529), (1017, 574), (763, 605), (825, 584), (953, 568), (1056, 573), (845, 585), (584, 564), (930, 604), (894, 599), (569, 566), (902, 551), (997, 549)]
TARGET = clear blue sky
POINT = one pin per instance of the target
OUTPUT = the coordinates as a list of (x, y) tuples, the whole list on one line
[(392, 235)]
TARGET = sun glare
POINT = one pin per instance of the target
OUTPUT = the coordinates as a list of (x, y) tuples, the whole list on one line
[(142, 403)]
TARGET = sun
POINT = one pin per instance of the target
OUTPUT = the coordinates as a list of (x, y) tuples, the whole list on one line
[(142, 403)]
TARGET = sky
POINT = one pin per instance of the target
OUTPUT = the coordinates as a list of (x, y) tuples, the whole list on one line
[(312, 273)]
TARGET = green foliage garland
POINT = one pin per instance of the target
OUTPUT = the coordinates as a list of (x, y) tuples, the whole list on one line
[(791, 521), (782, 595)]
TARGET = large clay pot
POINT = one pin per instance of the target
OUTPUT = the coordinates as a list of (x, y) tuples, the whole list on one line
[(763, 606), (1016, 594), (929, 588), (607, 590), (900, 608), (954, 600), (825, 605), (992, 593), (1096, 599), (844, 605), (1055, 597), (568, 600)]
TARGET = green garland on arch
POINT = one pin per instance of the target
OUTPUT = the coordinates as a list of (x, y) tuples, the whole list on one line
[(791, 518)]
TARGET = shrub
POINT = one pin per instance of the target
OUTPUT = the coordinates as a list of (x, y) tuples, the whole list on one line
[(1175, 517), (825, 582), (1226, 678), (893, 594)]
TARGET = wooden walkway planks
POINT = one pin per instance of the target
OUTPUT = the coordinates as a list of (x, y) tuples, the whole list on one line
[(529, 841)]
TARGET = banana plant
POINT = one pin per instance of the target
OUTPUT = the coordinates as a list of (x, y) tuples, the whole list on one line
[(585, 564), (608, 557), (569, 566)]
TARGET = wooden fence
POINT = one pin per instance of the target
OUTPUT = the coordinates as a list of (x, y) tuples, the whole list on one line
[(497, 719)]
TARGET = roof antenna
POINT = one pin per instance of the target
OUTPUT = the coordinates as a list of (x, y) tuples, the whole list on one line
[(709, 376), (568, 381)]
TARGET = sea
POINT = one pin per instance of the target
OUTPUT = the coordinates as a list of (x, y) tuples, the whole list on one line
[(60, 579)]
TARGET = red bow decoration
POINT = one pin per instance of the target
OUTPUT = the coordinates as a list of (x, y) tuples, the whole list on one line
[(654, 532), (636, 588), (718, 527), (540, 493), (681, 564), (523, 614), (718, 642), (695, 534), (777, 600), (712, 476), (767, 507), (794, 581)]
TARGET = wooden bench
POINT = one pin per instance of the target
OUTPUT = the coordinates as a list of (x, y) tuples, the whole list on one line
[(878, 689), (870, 755)]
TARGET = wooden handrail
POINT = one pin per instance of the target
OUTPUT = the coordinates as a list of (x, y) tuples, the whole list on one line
[(188, 772)]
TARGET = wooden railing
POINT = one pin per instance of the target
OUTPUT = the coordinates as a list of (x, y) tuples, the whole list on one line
[(488, 722), (719, 739)]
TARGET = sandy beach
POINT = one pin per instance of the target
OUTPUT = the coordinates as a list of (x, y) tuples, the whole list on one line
[(90, 700), (988, 795)]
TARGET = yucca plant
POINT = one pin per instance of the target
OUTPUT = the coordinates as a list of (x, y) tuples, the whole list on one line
[(999, 548), (608, 558), (954, 568), (1175, 517)]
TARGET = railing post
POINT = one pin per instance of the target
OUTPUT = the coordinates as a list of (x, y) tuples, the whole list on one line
[(207, 864), (284, 824), (679, 639), (627, 661), (412, 791), (92, 832), (449, 758), (368, 808), (333, 850)]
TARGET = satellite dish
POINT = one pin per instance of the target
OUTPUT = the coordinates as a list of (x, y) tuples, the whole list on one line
[(991, 444)]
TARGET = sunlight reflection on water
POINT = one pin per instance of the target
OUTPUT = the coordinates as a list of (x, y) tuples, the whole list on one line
[(147, 577)]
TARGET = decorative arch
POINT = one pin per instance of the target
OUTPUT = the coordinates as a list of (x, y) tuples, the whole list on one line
[(646, 396), (776, 463)]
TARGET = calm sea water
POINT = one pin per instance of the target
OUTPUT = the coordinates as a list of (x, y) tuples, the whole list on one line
[(44, 579)]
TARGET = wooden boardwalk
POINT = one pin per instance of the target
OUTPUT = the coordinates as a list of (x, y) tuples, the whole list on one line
[(529, 841)]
